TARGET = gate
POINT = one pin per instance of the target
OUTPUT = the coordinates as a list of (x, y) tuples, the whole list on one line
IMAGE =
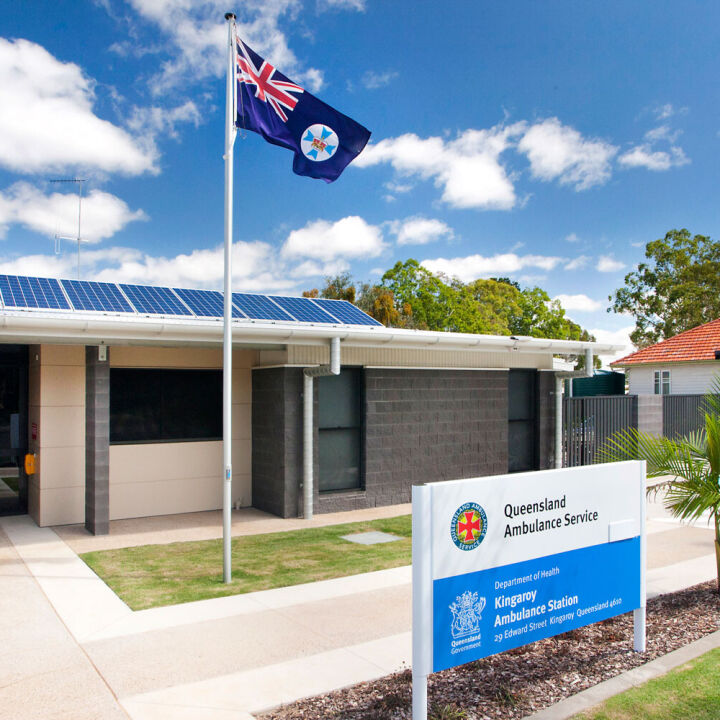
[(589, 421)]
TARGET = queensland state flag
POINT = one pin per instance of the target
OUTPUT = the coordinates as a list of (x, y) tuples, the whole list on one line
[(324, 140)]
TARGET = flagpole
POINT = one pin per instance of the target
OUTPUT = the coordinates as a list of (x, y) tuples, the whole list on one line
[(227, 307)]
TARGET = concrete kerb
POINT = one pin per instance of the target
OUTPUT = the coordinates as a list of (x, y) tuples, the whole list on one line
[(632, 678)]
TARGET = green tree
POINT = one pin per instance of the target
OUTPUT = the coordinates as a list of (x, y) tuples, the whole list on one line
[(423, 299), (340, 287), (379, 302), (677, 288), (693, 462)]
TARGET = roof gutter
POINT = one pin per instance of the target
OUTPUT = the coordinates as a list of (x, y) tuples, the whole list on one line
[(91, 331)]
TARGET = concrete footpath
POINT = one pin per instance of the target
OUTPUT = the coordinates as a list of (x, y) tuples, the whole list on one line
[(71, 649)]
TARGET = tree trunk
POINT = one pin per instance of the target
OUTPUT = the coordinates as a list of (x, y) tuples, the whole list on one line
[(717, 560)]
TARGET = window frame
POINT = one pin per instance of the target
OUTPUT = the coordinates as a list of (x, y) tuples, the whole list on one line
[(662, 382), (192, 413), (359, 428)]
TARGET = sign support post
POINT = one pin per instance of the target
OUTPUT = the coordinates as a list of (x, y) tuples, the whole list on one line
[(422, 599), (639, 615)]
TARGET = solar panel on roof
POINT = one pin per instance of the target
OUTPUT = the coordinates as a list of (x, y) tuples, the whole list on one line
[(32, 292), (100, 296), (154, 300), (260, 307), (303, 309), (205, 303), (345, 312)]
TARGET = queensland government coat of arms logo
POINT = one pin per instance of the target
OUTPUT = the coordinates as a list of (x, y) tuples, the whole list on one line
[(466, 611), (468, 526)]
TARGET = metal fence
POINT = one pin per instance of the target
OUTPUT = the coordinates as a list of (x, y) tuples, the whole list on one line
[(589, 421), (682, 414)]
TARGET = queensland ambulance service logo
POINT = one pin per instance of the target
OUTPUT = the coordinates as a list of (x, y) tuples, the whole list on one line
[(468, 526)]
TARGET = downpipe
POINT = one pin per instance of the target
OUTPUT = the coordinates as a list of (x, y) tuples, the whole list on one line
[(587, 371), (308, 424)]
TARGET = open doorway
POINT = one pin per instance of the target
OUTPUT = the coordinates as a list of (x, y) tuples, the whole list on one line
[(13, 428)]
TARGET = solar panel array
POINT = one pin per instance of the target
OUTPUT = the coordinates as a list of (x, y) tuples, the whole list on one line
[(24, 293), (96, 296), (31, 292)]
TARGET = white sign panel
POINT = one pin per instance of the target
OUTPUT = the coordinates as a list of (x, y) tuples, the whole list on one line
[(502, 561)]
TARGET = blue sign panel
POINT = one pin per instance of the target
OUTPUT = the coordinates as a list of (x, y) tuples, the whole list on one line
[(486, 612)]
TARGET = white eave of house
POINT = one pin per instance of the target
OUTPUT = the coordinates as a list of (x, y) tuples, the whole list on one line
[(85, 328)]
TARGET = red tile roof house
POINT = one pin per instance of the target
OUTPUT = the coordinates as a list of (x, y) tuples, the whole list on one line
[(685, 364)]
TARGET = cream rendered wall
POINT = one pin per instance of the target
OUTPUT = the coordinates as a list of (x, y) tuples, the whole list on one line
[(56, 386), (685, 378), (165, 478)]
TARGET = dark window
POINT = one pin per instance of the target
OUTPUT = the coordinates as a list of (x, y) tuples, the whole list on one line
[(165, 405), (522, 446), (340, 430)]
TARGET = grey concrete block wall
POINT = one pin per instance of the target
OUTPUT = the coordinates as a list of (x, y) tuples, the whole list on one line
[(97, 442), (277, 440), (420, 426), (429, 425)]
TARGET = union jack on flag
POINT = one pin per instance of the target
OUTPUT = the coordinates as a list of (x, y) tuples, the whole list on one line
[(324, 140), (268, 88)]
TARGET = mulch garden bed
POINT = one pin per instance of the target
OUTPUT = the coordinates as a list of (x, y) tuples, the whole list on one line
[(519, 682)]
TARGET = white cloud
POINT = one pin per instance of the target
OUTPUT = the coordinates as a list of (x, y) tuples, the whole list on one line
[(256, 267), (195, 36), (572, 238), (420, 230), (614, 337), (558, 151), (154, 121), (103, 214), (579, 303), (668, 110), (577, 263), (350, 237), (644, 156), (47, 123), (358, 5), (476, 266), (609, 264), (468, 168), (374, 80), (647, 156)]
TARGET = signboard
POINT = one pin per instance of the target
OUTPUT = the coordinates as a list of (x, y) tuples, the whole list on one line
[(502, 561)]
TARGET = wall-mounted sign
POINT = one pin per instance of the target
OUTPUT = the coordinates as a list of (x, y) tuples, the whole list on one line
[(502, 561), (34, 431)]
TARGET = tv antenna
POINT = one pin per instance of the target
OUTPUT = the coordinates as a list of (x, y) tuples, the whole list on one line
[(79, 239)]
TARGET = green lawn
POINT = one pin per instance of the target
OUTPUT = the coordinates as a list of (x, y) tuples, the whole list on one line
[(155, 575), (691, 692)]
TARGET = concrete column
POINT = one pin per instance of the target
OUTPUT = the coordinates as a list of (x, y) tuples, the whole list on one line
[(649, 414), (97, 440)]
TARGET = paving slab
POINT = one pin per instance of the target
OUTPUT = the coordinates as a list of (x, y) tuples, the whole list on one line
[(44, 674), (208, 525)]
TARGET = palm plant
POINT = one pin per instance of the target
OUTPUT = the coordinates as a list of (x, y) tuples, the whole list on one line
[(693, 462)]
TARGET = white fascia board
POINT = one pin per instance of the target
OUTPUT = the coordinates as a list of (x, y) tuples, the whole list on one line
[(90, 330)]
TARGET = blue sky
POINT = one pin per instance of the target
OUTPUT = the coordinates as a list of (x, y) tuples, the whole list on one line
[(546, 141)]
